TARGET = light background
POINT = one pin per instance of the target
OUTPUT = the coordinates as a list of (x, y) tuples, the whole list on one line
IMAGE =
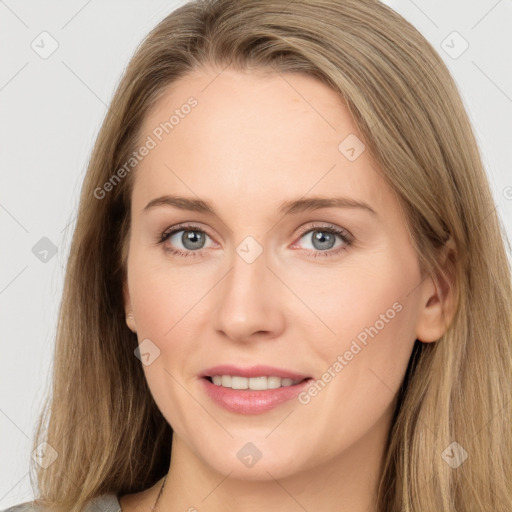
[(52, 110)]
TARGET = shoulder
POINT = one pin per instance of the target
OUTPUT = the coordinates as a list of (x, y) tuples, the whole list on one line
[(102, 503), (24, 507)]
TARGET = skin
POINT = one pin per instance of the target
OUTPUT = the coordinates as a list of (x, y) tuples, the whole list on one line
[(252, 142)]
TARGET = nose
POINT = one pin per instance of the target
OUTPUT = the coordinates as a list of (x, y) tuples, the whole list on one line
[(250, 303)]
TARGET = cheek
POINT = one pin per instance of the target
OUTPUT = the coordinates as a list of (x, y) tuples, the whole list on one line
[(154, 308), (361, 363), (161, 296), (169, 306), (367, 316), (163, 303), (347, 300)]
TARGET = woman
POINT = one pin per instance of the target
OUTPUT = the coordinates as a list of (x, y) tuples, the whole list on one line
[(287, 266)]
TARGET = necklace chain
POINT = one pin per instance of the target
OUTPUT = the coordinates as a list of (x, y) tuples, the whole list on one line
[(159, 494)]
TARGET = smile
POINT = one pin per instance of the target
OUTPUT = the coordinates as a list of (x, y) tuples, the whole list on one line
[(254, 383)]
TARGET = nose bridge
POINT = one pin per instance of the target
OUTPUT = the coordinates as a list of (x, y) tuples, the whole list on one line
[(247, 303)]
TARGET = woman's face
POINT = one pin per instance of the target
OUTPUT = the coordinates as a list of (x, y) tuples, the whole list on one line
[(301, 262)]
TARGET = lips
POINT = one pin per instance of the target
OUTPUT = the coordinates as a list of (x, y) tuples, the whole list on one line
[(253, 371), (250, 402)]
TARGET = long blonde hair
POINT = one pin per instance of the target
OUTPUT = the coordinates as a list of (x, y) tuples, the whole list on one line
[(101, 418)]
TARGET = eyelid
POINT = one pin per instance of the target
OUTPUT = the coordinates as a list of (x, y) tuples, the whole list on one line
[(185, 226), (327, 226)]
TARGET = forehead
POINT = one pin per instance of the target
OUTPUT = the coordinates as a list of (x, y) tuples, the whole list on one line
[(252, 137)]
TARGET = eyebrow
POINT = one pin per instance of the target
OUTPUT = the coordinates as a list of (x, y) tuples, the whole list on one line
[(287, 207)]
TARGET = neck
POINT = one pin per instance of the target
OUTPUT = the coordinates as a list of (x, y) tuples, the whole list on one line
[(344, 483)]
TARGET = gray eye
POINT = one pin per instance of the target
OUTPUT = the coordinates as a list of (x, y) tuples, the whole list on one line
[(191, 239), (320, 239)]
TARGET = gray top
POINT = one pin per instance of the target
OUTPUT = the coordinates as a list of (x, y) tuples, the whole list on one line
[(102, 503)]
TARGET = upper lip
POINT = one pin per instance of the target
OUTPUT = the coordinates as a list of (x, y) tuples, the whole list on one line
[(252, 371)]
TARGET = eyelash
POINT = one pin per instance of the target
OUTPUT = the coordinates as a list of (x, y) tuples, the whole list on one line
[(329, 228)]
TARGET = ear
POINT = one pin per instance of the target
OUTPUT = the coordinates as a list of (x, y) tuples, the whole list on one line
[(438, 300), (130, 320)]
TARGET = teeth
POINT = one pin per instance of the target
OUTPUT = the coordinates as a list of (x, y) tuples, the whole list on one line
[(254, 383)]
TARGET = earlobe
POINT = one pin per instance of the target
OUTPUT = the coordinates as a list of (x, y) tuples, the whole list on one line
[(130, 320)]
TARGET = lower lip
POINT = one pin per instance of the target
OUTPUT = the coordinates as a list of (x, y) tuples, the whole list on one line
[(247, 401)]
